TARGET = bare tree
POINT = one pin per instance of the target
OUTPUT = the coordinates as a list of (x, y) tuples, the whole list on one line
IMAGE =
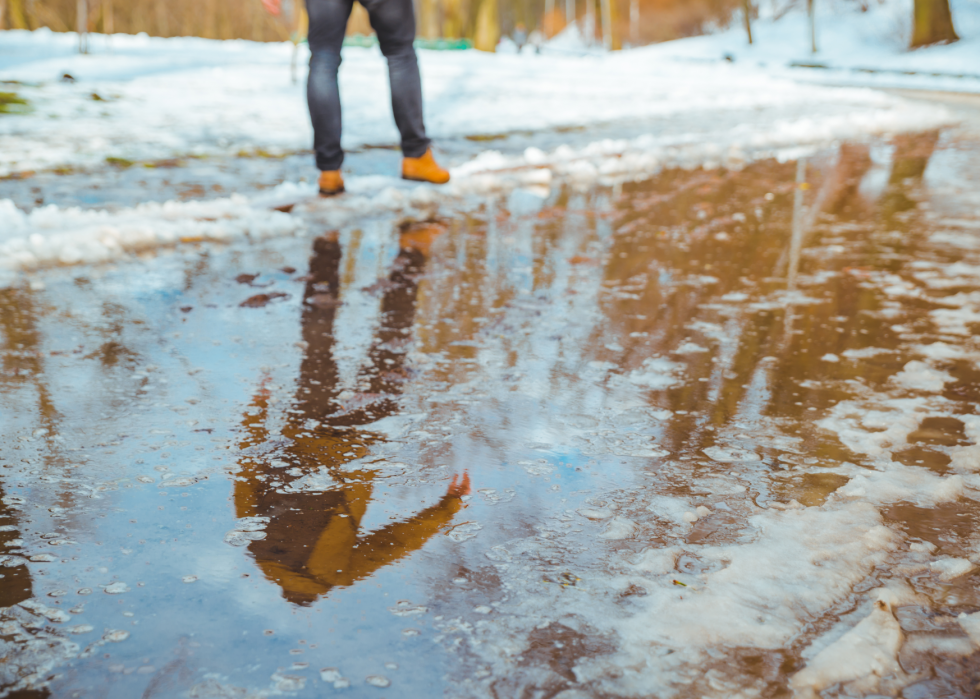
[(81, 25), (932, 23), (811, 13), (747, 13), (605, 7), (108, 25), (635, 22), (487, 32)]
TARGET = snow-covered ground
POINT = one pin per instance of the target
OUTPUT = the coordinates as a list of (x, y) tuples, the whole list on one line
[(136, 98), (868, 48)]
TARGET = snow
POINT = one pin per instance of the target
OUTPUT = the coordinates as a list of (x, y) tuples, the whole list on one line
[(159, 97), (163, 98), (854, 47), (859, 660), (788, 566)]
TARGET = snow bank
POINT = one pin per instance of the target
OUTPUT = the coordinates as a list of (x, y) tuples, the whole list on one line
[(51, 236), (867, 48), (141, 98), (862, 660)]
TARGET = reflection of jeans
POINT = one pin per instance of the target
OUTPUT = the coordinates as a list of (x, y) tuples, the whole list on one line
[(394, 23)]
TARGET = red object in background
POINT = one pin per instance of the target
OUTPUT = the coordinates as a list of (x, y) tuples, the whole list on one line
[(273, 7)]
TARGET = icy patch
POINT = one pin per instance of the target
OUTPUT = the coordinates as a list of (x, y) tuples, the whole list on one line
[(658, 561), (465, 531), (864, 660), (895, 482), (657, 373), (317, 482), (971, 624), (690, 348), (619, 528), (951, 568), (50, 236), (793, 565), (876, 427), (247, 530), (864, 353), (921, 377), (49, 613), (404, 608), (728, 455)]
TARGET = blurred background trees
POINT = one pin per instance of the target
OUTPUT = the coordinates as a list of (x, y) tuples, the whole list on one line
[(614, 23), (659, 20)]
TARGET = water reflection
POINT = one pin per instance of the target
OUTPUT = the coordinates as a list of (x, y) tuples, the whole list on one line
[(303, 479)]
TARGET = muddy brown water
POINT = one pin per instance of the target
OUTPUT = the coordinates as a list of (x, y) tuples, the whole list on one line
[(357, 462)]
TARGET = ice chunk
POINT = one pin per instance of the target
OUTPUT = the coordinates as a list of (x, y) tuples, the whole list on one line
[(971, 624), (378, 680), (730, 454), (859, 660), (657, 373), (658, 561), (619, 528), (920, 376), (404, 608), (464, 531), (949, 568)]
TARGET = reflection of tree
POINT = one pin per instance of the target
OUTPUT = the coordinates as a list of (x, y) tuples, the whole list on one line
[(909, 162), (312, 540), (22, 366), (16, 585), (718, 224)]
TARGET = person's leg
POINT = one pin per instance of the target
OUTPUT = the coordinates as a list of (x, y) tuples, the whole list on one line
[(394, 23), (328, 23)]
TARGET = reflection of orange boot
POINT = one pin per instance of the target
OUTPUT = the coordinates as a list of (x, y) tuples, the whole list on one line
[(424, 169), (331, 183)]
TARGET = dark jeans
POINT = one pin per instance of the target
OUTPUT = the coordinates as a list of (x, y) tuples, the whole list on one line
[(394, 23)]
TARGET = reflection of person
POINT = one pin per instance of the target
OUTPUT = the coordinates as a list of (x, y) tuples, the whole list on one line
[(312, 539), (394, 23)]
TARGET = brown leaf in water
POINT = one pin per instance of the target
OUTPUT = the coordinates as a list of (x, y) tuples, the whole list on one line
[(260, 300)]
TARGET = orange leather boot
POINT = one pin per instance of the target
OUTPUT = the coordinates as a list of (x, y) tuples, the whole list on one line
[(424, 169), (331, 183)]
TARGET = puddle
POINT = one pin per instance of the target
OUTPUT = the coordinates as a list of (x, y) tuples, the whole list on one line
[(682, 437)]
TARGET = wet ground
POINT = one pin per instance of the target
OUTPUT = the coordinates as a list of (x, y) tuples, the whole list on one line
[(686, 437)]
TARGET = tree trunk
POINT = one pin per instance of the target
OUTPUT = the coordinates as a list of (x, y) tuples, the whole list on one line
[(429, 19), (607, 36), (108, 18), (811, 13), (3, 14), (487, 32), (589, 31), (747, 13), (932, 23), (569, 11), (635, 22), (81, 25)]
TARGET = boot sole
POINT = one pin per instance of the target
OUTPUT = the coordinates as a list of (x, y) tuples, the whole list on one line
[(422, 179), (331, 193)]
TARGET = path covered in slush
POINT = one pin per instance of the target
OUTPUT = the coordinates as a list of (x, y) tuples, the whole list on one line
[(709, 434)]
